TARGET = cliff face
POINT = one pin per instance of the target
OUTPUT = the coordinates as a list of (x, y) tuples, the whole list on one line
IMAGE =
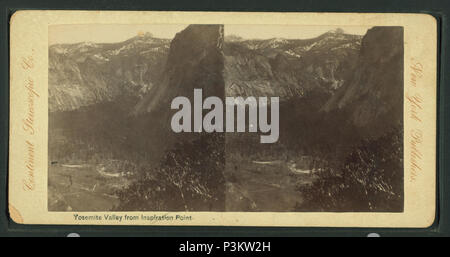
[(374, 93), (195, 61), (83, 74), (289, 68)]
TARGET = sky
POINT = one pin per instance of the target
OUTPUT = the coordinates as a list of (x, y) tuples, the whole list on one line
[(110, 33), (287, 31)]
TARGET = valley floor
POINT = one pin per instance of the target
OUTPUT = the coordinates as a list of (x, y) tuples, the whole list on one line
[(263, 186), (251, 186), (82, 187)]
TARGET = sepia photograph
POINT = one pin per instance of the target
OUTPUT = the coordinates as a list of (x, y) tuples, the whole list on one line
[(229, 127), (225, 118)]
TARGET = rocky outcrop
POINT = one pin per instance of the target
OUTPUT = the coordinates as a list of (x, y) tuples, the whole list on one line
[(374, 95), (195, 61)]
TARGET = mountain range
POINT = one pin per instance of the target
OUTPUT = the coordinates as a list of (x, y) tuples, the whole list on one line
[(289, 67), (360, 77), (86, 73)]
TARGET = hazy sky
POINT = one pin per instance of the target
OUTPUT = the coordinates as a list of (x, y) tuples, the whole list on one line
[(108, 33), (287, 31)]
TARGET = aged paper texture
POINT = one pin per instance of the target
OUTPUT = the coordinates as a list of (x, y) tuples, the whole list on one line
[(224, 119)]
